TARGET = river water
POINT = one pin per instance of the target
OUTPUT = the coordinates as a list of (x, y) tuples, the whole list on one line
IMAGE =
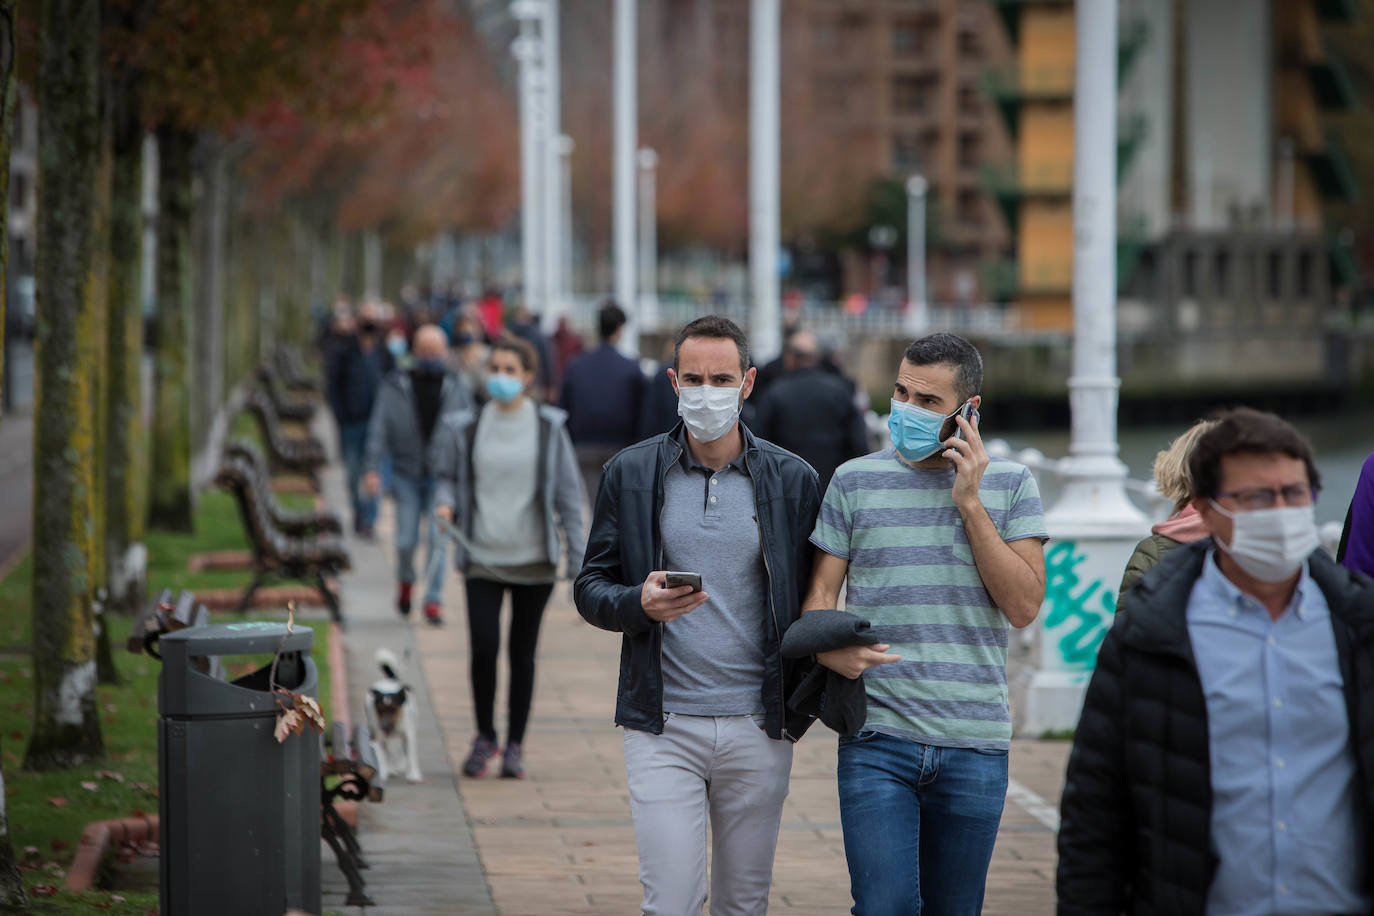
[(1341, 442)]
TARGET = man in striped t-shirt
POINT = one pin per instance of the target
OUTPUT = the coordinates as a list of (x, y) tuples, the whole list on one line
[(942, 550)]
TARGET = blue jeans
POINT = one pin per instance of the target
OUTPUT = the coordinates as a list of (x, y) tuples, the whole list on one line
[(415, 501), (914, 811), (352, 446)]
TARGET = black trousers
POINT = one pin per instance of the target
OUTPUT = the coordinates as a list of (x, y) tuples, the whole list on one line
[(484, 639)]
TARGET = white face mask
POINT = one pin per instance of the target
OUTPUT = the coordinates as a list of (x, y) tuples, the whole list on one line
[(1271, 544), (709, 412)]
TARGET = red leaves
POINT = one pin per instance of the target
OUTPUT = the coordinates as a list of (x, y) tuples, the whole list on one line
[(57, 801), (43, 890), (59, 845)]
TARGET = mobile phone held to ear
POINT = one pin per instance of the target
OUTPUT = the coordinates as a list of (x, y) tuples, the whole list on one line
[(969, 413), (679, 579)]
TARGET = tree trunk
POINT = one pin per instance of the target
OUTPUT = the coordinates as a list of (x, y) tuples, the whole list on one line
[(95, 355), (66, 727), (12, 896), (169, 492), (123, 410)]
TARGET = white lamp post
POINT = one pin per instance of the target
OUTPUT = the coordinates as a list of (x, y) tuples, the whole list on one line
[(527, 52), (1093, 526), (764, 331), (917, 321), (555, 301), (623, 167), (647, 160), (565, 228)]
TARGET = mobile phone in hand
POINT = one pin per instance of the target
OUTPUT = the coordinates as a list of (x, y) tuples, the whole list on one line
[(969, 413), (678, 579)]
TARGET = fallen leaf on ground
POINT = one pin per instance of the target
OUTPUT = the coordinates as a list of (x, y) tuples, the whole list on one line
[(59, 845), (90, 786), (57, 801), (16, 736), (43, 890), (30, 850), (110, 774)]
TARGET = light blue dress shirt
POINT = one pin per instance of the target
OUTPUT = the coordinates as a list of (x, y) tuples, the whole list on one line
[(1284, 822)]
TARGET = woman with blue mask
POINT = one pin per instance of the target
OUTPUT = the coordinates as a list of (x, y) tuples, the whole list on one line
[(509, 484)]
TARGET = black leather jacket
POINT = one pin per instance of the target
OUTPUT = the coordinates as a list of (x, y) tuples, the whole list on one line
[(626, 545)]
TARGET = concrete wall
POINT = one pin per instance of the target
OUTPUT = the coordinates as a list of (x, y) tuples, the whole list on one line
[(1229, 109)]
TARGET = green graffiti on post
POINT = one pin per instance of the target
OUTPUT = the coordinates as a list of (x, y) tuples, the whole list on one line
[(1085, 614)]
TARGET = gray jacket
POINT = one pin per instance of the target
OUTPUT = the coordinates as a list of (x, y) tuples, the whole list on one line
[(394, 428), (560, 482)]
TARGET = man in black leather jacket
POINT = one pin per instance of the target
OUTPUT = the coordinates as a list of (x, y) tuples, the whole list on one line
[(702, 681)]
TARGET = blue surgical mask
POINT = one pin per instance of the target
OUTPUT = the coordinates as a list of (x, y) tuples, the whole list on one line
[(504, 388), (397, 345), (915, 431)]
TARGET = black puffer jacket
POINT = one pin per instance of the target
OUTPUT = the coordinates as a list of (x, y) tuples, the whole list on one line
[(1136, 811), (626, 545)]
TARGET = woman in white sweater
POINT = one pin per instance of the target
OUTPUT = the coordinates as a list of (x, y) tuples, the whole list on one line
[(509, 482)]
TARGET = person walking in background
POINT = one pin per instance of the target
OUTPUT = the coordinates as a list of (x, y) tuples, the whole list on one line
[(658, 412), (508, 482), (702, 678), (1224, 759), (1356, 550), (602, 393), (524, 324), (566, 345), (409, 409), (1183, 525), (470, 352), (353, 383), (811, 411), (941, 549)]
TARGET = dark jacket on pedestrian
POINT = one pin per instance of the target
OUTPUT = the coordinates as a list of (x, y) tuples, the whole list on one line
[(396, 427), (838, 701), (602, 393), (626, 545), (1136, 811), (812, 412), (560, 484), (658, 414), (531, 333), (355, 379)]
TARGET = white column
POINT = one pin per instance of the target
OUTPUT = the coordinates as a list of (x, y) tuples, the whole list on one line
[(526, 49), (764, 331), (1093, 526), (555, 302), (917, 318), (565, 220), (624, 141), (647, 161)]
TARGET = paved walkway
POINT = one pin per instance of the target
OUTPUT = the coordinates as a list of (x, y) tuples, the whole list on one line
[(561, 841)]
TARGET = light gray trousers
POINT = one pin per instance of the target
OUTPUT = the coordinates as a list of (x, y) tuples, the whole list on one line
[(723, 767)]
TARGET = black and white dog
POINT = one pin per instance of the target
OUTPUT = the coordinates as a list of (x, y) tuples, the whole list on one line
[(391, 714)]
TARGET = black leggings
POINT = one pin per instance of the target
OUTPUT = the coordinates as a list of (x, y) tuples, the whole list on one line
[(484, 638)]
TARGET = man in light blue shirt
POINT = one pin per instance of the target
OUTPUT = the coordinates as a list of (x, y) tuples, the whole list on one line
[(1223, 762)]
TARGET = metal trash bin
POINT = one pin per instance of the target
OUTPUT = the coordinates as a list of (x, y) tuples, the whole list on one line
[(240, 813)]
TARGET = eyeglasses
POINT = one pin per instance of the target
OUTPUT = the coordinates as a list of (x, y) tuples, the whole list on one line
[(1297, 494)]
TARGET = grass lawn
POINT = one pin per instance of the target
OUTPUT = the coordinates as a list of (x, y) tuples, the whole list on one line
[(47, 811)]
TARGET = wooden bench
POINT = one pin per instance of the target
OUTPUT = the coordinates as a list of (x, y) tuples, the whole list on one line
[(291, 522), (276, 554), (297, 456), (292, 369), (290, 405), (163, 616), (353, 761)]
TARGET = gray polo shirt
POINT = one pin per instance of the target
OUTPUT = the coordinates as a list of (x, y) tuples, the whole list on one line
[(713, 656)]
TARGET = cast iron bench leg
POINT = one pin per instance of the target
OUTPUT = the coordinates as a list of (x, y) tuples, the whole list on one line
[(333, 828)]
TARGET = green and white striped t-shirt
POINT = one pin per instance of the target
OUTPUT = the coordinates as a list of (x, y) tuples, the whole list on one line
[(911, 574)]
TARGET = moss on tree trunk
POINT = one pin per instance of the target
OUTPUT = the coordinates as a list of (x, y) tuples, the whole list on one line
[(66, 727), (169, 492)]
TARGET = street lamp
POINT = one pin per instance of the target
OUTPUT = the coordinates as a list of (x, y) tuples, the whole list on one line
[(917, 320), (647, 160)]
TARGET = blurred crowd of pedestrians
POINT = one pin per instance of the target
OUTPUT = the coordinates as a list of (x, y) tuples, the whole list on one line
[(1221, 763)]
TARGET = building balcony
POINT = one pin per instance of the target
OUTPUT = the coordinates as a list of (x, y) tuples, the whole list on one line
[(1331, 83), (1010, 11), (1331, 170), (1006, 279)]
